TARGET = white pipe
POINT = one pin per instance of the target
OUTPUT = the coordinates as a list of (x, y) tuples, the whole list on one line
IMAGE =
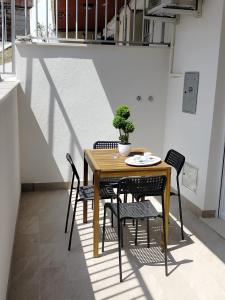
[(106, 19), (47, 19), (13, 34), (56, 18), (3, 36), (143, 21), (134, 20), (36, 10), (172, 47), (86, 21), (96, 19), (76, 19), (115, 16), (125, 22), (67, 19), (5, 21), (25, 15)]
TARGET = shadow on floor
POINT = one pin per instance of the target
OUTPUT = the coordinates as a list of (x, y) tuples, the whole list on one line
[(42, 268)]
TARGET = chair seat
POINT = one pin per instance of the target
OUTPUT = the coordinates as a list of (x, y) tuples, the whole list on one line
[(87, 192), (138, 210), (112, 181)]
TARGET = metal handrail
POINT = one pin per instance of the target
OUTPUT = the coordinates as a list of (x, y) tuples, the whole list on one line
[(112, 32)]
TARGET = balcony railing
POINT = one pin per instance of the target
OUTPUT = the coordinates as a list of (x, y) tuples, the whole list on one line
[(115, 22)]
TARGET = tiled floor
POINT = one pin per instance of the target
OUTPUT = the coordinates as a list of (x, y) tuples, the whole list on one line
[(43, 269), (216, 224)]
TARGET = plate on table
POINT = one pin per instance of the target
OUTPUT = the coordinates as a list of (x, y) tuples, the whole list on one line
[(141, 160)]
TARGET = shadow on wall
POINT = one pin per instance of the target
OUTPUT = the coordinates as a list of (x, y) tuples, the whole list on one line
[(54, 95), (84, 85), (39, 153)]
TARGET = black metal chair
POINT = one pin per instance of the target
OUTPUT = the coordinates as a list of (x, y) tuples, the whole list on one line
[(140, 187), (113, 181), (83, 193), (177, 160), (105, 145)]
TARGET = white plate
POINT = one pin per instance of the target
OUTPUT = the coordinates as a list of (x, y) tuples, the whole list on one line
[(142, 161)]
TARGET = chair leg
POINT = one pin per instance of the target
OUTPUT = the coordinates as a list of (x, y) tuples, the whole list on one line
[(148, 233), (136, 233), (164, 236), (72, 226), (125, 201), (112, 224), (181, 218), (180, 210), (142, 199), (119, 249), (103, 233), (125, 198), (69, 205), (133, 202), (121, 227)]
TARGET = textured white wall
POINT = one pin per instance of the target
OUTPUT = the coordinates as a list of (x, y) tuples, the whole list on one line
[(68, 96), (218, 132), (9, 179), (196, 49)]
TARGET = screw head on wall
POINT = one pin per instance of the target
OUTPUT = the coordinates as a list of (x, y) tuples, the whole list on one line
[(138, 98)]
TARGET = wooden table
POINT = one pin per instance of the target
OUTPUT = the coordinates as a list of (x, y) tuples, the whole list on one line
[(108, 163)]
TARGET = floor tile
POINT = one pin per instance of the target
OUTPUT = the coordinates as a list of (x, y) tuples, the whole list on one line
[(43, 268)]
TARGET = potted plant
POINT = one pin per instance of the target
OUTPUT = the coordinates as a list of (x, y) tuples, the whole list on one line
[(125, 127)]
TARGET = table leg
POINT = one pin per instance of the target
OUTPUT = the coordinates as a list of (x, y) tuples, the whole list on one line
[(167, 202), (96, 215), (85, 179)]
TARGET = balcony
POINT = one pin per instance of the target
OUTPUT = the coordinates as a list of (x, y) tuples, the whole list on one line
[(59, 95), (44, 269)]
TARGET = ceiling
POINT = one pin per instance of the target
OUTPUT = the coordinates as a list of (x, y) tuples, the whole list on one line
[(82, 12)]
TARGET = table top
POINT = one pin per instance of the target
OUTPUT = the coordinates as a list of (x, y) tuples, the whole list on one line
[(110, 162)]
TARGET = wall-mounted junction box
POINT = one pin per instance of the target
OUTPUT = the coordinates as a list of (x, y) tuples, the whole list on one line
[(190, 177), (190, 95)]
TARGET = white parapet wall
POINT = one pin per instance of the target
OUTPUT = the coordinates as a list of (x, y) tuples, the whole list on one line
[(69, 94), (9, 178)]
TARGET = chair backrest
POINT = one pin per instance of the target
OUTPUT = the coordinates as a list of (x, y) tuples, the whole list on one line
[(142, 185), (105, 145), (75, 173), (175, 159)]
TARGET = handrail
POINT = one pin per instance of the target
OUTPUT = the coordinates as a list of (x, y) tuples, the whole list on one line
[(115, 22)]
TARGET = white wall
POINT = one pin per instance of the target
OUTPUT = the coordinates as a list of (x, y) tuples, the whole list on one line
[(196, 49), (69, 94), (9, 179), (218, 132)]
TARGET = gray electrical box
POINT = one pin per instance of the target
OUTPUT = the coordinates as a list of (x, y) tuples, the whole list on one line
[(191, 81)]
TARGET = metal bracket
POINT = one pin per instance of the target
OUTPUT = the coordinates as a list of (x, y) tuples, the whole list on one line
[(173, 20)]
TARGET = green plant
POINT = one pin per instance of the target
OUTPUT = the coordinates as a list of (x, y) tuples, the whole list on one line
[(40, 30), (122, 123)]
